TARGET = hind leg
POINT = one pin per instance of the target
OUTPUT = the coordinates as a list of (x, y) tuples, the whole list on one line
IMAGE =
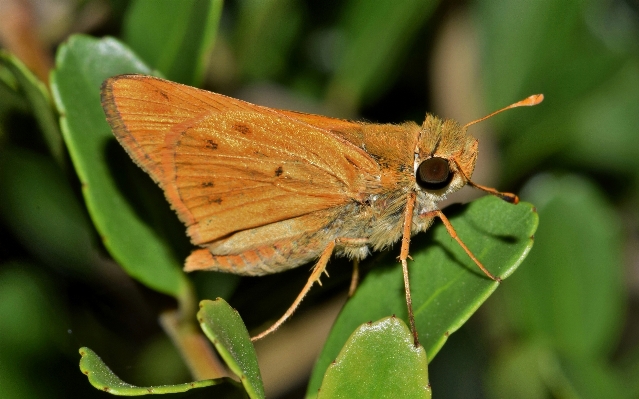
[(320, 267), (271, 259)]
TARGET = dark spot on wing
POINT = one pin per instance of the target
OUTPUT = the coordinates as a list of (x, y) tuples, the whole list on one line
[(163, 94), (207, 184), (279, 171), (242, 128), (211, 144), (217, 200)]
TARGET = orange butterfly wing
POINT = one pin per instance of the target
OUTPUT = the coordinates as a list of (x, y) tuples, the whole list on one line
[(226, 165), (323, 122)]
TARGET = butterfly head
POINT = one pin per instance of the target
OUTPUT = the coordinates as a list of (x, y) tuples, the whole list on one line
[(445, 155), (444, 158)]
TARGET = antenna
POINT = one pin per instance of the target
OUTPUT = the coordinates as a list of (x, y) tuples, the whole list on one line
[(526, 102)]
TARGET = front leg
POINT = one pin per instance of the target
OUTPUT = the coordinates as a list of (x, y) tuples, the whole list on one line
[(403, 256), (453, 234)]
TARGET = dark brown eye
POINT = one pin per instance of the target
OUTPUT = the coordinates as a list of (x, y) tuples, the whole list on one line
[(434, 174)]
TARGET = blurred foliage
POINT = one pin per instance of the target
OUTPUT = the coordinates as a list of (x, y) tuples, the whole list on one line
[(565, 325)]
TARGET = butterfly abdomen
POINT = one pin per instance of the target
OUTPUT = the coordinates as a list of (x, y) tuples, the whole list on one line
[(267, 259)]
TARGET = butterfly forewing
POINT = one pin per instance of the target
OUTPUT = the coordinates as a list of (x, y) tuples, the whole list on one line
[(227, 165), (142, 110), (237, 183)]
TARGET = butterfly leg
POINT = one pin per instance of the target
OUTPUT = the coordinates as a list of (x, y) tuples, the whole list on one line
[(319, 268), (355, 243), (403, 257), (453, 234), (354, 278)]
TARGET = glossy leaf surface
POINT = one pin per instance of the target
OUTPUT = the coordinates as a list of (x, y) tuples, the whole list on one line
[(224, 327), (102, 378), (379, 360), (125, 205)]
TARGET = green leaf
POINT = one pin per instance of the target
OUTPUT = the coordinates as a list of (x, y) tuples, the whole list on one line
[(39, 206), (265, 33), (376, 37), (379, 360), (31, 314), (101, 377), (605, 124), (175, 38), (526, 33), (40, 101), (518, 372), (535, 371), (32, 319), (595, 379), (11, 100), (224, 327), (577, 258), (585, 66), (118, 195), (447, 287), (629, 363)]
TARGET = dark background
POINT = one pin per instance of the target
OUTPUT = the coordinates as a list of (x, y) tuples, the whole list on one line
[(564, 326)]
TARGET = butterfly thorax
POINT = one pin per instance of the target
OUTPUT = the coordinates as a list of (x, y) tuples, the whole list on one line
[(399, 151)]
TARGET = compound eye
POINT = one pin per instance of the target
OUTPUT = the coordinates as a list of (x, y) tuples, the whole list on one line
[(434, 174)]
